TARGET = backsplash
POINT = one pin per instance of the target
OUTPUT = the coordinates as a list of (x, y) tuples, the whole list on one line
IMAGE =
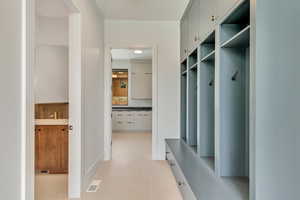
[(52, 111)]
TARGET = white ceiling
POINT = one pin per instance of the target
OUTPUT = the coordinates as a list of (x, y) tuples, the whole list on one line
[(128, 54), (51, 8), (142, 9)]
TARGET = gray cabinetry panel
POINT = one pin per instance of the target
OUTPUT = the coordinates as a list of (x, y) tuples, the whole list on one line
[(184, 36)]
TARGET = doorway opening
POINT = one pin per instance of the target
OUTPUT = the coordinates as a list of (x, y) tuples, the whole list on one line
[(57, 83), (132, 89)]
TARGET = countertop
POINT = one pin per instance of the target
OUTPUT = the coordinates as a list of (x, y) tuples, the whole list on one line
[(51, 122), (129, 108)]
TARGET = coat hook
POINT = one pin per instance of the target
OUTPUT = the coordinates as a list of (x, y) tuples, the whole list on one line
[(234, 77), (211, 82)]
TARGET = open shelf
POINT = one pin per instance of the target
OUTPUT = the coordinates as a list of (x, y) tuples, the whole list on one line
[(241, 39), (207, 102), (183, 116), (234, 111), (194, 66), (209, 57), (193, 58), (192, 109), (208, 46), (237, 21), (207, 113), (234, 97)]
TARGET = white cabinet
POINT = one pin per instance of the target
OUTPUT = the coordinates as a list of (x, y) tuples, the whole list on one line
[(208, 17), (194, 25), (132, 121), (184, 36), (141, 80), (199, 19), (224, 6)]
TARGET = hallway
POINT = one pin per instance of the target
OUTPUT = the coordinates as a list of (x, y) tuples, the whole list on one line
[(131, 175)]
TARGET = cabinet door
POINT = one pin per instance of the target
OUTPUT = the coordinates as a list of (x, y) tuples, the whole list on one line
[(224, 6), (208, 17), (148, 120), (194, 24), (52, 148), (64, 149), (184, 35), (141, 81)]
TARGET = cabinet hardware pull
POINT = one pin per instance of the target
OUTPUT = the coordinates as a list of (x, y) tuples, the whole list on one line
[(70, 128)]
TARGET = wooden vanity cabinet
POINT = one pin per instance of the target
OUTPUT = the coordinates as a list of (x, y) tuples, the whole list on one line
[(51, 149)]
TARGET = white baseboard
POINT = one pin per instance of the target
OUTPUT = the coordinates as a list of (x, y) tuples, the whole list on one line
[(91, 172)]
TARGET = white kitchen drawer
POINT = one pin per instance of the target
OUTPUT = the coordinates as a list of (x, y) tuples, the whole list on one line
[(120, 115), (119, 125)]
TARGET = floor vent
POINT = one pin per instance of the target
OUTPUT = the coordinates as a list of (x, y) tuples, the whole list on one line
[(94, 187)]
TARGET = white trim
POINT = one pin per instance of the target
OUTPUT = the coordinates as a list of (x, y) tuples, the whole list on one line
[(27, 102), (108, 104), (90, 173), (75, 119)]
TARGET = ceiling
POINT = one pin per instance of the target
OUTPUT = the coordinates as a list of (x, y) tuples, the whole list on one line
[(51, 8), (142, 9), (128, 54)]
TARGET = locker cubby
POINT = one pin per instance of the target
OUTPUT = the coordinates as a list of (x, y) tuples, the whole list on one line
[(183, 116), (207, 106), (192, 109), (208, 48), (236, 24), (193, 59), (234, 110)]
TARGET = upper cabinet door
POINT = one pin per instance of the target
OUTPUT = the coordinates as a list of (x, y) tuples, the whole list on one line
[(208, 15), (141, 80), (223, 6), (184, 35), (194, 24)]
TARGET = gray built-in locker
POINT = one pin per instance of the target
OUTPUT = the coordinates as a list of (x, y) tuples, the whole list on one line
[(192, 100), (183, 110), (207, 100), (244, 76)]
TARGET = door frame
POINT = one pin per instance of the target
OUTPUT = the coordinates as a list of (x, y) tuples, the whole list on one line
[(108, 98), (28, 101)]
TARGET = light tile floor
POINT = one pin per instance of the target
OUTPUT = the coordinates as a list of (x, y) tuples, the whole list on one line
[(131, 175)]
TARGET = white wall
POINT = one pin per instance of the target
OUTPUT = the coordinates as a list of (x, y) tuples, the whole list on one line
[(92, 88), (10, 101), (51, 74), (52, 31), (51, 67), (127, 64), (165, 35)]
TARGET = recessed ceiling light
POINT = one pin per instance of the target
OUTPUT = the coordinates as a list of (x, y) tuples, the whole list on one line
[(138, 51)]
